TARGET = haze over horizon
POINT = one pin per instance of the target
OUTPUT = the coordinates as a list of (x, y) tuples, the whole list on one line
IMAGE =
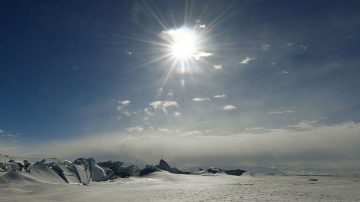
[(195, 82)]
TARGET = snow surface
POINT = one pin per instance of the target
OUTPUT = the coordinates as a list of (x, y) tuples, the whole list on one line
[(164, 186)]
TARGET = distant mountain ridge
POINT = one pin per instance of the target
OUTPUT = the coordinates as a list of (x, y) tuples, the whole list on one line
[(85, 170)]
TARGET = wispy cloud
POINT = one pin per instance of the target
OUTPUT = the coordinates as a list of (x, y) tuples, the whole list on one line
[(303, 125), (201, 99), (170, 93), (247, 60), (127, 113), (123, 104), (137, 129), (229, 107), (164, 105), (303, 47), (192, 132), (218, 67), (165, 130), (265, 47), (281, 112), (200, 55), (148, 112), (220, 96), (177, 114), (7, 134), (284, 72)]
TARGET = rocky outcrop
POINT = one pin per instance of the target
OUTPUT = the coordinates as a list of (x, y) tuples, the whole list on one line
[(116, 169), (163, 165), (83, 171), (236, 172), (215, 170), (148, 169)]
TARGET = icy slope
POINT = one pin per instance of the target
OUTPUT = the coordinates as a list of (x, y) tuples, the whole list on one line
[(164, 186)]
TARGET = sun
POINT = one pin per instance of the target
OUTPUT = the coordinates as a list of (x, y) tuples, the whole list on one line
[(183, 43)]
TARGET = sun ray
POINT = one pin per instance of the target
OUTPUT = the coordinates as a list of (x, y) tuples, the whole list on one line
[(182, 50)]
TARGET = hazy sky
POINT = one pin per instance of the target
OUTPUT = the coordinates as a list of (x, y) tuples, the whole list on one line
[(263, 81)]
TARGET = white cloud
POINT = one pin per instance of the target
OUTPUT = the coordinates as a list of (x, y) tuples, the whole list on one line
[(9, 135), (148, 112), (229, 107), (193, 132), (218, 67), (127, 113), (247, 60), (164, 130), (177, 114), (303, 47), (265, 47), (281, 112), (200, 55), (201, 99), (170, 93), (156, 104), (167, 104), (123, 104), (220, 96), (135, 129), (284, 72), (255, 129), (159, 92), (163, 105), (303, 125)]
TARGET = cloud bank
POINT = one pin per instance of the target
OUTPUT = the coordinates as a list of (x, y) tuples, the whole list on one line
[(324, 147)]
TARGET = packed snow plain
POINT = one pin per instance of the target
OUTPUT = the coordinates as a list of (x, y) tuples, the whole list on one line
[(165, 186)]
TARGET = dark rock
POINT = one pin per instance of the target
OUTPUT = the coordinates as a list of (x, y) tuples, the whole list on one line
[(27, 165), (148, 169), (313, 180), (109, 173), (177, 171), (236, 172), (163, 165), (215, 170), (13, 166), (59, 171), (82, 170), (131, 170), (117, 169), (3, 167)]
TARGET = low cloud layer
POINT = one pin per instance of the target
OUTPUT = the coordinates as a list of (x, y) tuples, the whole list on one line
[(326, 147), (247, 60), (201, 99), (229, 107)]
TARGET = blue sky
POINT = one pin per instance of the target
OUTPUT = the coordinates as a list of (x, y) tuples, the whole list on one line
[(84, 70)]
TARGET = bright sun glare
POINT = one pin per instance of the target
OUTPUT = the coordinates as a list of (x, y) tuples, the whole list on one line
[(183, 43)]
